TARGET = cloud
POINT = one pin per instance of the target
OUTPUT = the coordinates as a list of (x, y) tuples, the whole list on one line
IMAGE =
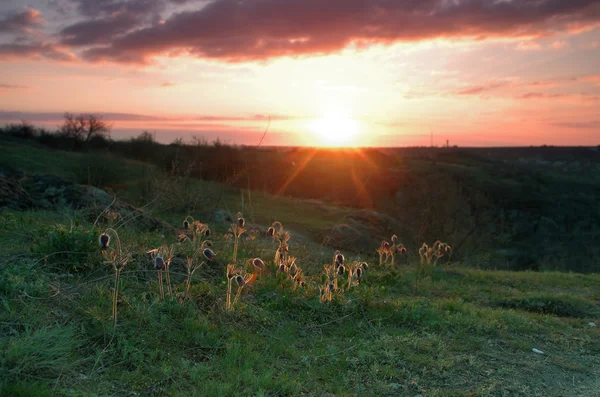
[(13, 87), (583, 125), (36, 51), (37, 116), (559, 44), (594, 79), (234, 30), (98, 31), (20, 22), (507, 84), (582, 97)]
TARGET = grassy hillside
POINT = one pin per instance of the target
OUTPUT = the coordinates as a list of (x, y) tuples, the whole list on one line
[(408, 329), (458, 332), (500, 208)]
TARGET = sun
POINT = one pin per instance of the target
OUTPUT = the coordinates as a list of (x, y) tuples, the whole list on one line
[(335, 129)]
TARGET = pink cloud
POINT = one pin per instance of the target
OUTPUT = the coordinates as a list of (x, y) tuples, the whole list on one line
[(559, 44)]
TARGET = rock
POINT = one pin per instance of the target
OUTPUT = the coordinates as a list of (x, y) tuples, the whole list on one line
[(223, 217), (21, 192)]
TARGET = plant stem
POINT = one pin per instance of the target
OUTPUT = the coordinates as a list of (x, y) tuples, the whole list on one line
[(115, 297), (160, 285), (168, 277)]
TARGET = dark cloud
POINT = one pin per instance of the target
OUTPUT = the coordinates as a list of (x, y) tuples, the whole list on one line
[(21, 22), (97, 31), (101, 8), (235, 30), (105, 20), (34, 50)]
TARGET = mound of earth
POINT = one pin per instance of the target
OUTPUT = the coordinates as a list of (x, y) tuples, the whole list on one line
[(361, 231), (21, 192)]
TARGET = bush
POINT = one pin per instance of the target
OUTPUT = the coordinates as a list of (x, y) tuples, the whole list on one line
[(73, 250)]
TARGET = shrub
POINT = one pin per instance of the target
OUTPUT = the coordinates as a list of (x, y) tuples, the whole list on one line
[(68, 250)]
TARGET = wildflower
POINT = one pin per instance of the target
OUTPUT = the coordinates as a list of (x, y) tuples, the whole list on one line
[(104, 241), (240, 280), (402, 250), (271, 232), (341, 270), (241, 222), (282, 268), (365, 266), (302, 284), (394, 239), (331, 287), (293, 269), (208, 254), (339, 258), (208, 243), (207, 233), (186, 225), (159, 263), (258, 263)]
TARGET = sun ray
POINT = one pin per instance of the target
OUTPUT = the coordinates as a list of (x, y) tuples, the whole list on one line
[(298, 169)]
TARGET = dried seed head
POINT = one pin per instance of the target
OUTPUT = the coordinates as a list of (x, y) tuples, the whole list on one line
[(341, 270), (258, 263), (293, 269), (159, 263), (186, 225), (207, 233), (365, 266), (240, 280), (394, 239), (331, 287), (271, 232), (104, 241), (241, 222), (385, 245), (208, 254), (339, 258), (282, 268), (358, 272)]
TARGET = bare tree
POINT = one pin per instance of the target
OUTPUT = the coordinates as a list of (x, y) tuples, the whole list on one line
[(84, 127)]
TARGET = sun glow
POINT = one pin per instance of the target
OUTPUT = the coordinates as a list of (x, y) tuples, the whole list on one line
[(335, 129)]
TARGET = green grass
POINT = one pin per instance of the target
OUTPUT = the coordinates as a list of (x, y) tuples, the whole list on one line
[(464, 332)]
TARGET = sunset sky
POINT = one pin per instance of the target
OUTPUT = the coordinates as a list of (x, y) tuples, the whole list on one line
[(327, 72)]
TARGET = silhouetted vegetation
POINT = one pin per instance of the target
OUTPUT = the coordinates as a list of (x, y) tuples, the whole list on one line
[(507, 208)]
